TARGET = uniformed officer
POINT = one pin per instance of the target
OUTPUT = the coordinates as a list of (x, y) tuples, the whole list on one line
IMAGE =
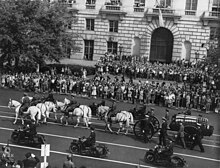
[(25, 103), (163, 132), (198, 140)]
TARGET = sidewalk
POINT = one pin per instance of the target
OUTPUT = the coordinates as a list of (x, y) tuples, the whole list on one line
[(76, 62)]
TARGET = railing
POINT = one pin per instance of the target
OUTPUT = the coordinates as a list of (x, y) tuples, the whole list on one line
[(138, 9), (113, 7), (90, 6), (164, 10), (214, 13), (190, 12)]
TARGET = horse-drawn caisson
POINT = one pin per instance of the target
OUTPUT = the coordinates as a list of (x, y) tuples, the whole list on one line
[(147, 127)]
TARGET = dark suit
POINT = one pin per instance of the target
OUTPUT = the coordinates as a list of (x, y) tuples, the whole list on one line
[(163, 134)]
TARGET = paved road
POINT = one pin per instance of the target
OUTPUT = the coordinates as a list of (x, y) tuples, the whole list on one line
[(125, 151)]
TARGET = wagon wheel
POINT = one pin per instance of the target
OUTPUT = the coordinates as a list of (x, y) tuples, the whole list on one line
[(140, 133), (189, 131), (155, 122)]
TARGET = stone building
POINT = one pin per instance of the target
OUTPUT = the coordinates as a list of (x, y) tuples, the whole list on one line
[(133, 27)]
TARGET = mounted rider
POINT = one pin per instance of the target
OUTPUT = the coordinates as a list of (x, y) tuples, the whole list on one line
[(25, 103), (36, 99), (50, 98)]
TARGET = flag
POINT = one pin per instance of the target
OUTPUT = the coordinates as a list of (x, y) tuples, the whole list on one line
[(161, 21)]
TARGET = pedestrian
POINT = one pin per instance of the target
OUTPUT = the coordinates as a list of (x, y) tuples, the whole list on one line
[(163, 132), (198, 140), (30, 161), (69, 162), (181, 135)]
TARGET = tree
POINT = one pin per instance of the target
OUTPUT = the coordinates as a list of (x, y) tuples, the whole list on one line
[(34, 31)]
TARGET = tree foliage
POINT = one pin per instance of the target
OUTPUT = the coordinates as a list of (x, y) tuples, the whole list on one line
[(34, 31)]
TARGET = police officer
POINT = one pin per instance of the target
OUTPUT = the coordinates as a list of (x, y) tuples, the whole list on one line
[(91, 140), (198, 140), (163, 132), (25, 103), (181, 135), (30, 130)]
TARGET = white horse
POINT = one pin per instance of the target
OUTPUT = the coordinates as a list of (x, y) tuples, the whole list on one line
[(33, 111), (102, 111), (44, 109), (123, 118), (83, 111), (52, 108), (62, 105)]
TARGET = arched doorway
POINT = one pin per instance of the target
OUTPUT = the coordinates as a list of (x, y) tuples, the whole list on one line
[(161, 45)]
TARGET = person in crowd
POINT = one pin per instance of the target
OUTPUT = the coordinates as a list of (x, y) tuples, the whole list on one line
[(69, 162), (30, 160), (163, 132)]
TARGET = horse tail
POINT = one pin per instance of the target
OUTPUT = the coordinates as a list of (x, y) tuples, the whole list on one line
[(89, 112), (131, 118)]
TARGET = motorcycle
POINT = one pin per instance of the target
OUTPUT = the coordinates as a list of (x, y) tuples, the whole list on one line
[(79, 147), (34, 141), (162, 156)]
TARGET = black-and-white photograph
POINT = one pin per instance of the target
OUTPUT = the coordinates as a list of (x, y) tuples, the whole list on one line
[(109, 83)]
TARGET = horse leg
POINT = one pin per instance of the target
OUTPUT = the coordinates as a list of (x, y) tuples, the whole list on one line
[(16, 118), (61, 119), (77, 121), (85, 121), (120, 127), (109, 127)]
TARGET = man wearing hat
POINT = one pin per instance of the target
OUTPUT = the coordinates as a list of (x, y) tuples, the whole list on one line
[(25, 103), (163, 132), (91, 140), (30, 161), (181, 135)]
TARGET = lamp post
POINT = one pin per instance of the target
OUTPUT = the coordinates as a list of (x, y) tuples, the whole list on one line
[(120, 51)]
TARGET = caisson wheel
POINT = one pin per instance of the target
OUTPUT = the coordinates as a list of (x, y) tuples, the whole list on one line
[(14, 137), (149, 157), (73, 148)]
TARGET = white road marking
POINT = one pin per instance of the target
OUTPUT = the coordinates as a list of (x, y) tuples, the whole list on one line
[(121, 145), (87, 157)]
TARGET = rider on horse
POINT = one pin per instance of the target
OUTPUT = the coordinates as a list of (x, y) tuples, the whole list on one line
[(25, 103), (36, 99), (50, 98)]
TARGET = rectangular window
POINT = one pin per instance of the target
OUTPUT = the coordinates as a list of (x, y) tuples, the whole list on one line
[(90, 2), (213, 33), (191, 5), (89, 49), (216, 6), (165, 3), (112, 47), (113, 26), (90, 24), (139, 3)]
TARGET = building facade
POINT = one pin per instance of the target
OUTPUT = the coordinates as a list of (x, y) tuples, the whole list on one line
[(132, 27)]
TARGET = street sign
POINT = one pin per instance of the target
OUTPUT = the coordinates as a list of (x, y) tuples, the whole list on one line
[(45, 150)]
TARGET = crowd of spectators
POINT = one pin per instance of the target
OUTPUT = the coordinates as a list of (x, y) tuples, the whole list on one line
[(178, 85)]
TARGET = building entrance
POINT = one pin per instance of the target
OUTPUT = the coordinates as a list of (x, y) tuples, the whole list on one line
[(161, 45)]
